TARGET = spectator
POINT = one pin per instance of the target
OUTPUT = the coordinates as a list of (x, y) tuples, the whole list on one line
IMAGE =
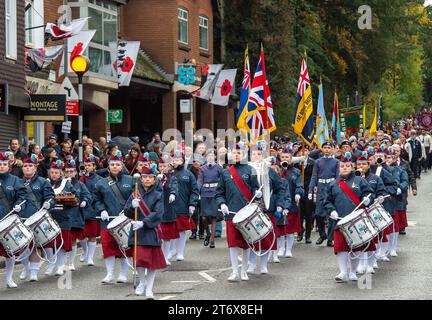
[(50, 155), (15, 148), (33, 149), (155, 141), (15, 166), (415, 153), (65, 150), (132, 159), (52, 143)]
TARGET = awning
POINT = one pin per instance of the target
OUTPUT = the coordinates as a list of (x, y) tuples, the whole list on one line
[(147, 69)]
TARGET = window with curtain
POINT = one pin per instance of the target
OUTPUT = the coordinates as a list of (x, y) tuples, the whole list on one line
[(183, 26)]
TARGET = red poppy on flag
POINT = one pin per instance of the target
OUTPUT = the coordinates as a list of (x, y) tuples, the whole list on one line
[(226, 88), (127, 64)]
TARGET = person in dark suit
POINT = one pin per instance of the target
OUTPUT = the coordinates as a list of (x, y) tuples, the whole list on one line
[(306, 205)]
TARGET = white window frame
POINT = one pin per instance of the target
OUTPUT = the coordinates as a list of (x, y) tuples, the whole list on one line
[(11, 29), (202, 26), (180, 17), (29, 34)]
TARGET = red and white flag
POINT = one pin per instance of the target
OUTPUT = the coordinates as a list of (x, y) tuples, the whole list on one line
[(58, 32), (76, 46), (127, 53), (224, 87), (210, 74), (40, 58)]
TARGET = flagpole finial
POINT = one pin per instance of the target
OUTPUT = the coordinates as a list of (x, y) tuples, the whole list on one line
[(262, 47)]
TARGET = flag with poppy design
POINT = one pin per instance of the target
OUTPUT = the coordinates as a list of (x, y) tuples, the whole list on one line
[(224, 86), (127, 54)]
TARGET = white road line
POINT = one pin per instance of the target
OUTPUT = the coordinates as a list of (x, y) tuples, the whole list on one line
[(167, 297), (206, 276), (412, 223)]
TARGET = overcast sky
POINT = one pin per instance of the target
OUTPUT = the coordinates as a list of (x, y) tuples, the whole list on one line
[(428, 2)]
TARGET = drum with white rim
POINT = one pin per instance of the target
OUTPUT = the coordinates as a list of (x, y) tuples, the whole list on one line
[(15, 237), (44, 227), (357, 228), (252, 223), (119, 229), (379, 216)]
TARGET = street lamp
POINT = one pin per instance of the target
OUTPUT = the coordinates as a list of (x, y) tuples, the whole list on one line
[(80, 66)]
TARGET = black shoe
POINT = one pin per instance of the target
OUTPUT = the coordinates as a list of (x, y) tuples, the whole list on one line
[(212, 244), (308, 240), (330, 243), (193, 236), (299, 237), (201, 237), (206, 241), (402, 231), (218, 235), (320, 240)]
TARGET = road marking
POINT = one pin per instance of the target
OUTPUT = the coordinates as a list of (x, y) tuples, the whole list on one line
[(412, 223), (206, 276), (167, 298)]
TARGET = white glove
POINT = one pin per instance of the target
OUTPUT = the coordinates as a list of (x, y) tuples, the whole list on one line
[(279, 209), (135, 203), (137, 225), (285, 212), (104, 215), (191, 209), (224, 209), (258, 194), (310, 196), (334, 215), (399, 191), (17, 208), (297, 198), (366, 201), (160, 176), (171, 198), (46, 205), (83, 204), (381, 199)]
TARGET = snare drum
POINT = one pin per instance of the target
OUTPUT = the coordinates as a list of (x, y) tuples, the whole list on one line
[(119, 228), (357, 229), (379, 217), (252, 223), (44, 227), (14, 236)]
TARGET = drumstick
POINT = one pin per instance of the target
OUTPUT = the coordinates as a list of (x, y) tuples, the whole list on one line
[(136, 177), (232, 212), (262, 186)]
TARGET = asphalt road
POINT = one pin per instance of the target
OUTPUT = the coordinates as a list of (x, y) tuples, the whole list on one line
[(309, 275)]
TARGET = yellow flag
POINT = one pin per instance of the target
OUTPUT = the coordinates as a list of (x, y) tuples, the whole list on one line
[(373, 128)]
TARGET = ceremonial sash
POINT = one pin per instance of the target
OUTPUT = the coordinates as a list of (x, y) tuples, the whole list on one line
[(146, 212), (347, 190), (239, 183)]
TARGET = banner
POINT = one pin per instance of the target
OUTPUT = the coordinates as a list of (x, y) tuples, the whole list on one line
[(127, 53), (210, 73), (46, 107), (39, 58), (58, 32), (76, 45), (224, 86)]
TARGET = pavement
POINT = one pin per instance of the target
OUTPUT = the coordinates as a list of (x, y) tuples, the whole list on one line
[(308, 275)]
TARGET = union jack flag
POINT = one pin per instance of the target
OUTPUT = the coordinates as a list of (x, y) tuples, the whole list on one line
[(304, 81), (260, 119)]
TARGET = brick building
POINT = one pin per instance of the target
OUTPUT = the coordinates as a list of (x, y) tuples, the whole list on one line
[(12, 68)]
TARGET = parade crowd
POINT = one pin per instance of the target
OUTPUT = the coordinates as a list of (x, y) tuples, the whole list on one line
[(195, 192)]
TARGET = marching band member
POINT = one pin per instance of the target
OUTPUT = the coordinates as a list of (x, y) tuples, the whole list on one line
[(341, 198), (91, 225), (77, 213), (379, 168), (325, 171), (12, 194), (63, 216), (111, 195), (400, 206), (402, 214), (185, 203), (39, 195), (208, 179), (235, 189), (368, 260), (170, 192), (295, 188), (274, 212), (149, 257)]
